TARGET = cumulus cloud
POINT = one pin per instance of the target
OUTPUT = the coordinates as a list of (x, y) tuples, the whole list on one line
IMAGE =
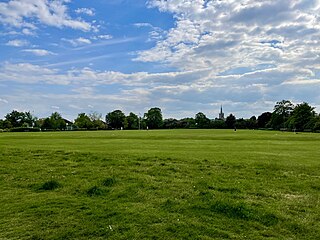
[(22, 13), (179, 94), (17, 43), (232, 34)]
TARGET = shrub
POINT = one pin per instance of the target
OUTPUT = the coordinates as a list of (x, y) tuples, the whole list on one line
[(25, 129)]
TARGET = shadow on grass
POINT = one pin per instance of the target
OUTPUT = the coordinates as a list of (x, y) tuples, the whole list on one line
[(46, 186), (240, 210)]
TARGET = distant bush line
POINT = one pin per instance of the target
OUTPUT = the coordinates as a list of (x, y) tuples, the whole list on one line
[(285, 117)]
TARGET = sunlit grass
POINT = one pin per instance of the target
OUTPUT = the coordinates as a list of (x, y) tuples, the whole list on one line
[(180, 184)]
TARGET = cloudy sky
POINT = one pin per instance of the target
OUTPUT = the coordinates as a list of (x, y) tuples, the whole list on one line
[(184, 56)]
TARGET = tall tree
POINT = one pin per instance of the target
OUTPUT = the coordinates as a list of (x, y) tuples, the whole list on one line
[(83, 121), (29, 119), (96, 119), (263, 119), (153, 118), (201, 120), (231, 121), (115, 119), (57, 122), (302, 116), (16, 118), (281, 113), (133, 121)]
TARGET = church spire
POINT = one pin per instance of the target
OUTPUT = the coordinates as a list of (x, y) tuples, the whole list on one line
[(221, 114)]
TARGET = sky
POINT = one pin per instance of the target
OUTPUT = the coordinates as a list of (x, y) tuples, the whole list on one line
[(183, 56)]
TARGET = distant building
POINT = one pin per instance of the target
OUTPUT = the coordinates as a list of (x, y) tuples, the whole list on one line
[(221, 114)]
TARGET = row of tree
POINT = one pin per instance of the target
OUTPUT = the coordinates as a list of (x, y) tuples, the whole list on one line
[(285, 116)]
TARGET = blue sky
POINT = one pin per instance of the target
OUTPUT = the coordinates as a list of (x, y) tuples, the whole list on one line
[(184, 56)]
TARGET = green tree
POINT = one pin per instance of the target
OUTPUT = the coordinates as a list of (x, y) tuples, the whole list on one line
[(97, 123), (218, 124), (115, 119), (54, 122), (186, 123), (231, 121), (46, 124), (263, 119), (57, 122), (170, 123), (29, 119), (153, 118), (281, 113), (16, 118), (83, 121), (240, 124), (133, 121), (302, 117), (202, 121)]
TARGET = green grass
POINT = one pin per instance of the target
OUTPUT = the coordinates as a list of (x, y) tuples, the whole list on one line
[(179, 184)]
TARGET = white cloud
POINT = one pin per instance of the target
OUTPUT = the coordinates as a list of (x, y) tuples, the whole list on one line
[(231, 34), (27, 31), (38, 52), (17, 43), (22, 13), (87, 11), (78, 42), (103, 37), (3, 100), (156, 33), (177, 93)]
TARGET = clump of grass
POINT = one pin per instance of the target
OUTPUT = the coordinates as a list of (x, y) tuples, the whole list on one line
[(95, 191), (233, 210), (50, 185), (240, 210), (109, 182)]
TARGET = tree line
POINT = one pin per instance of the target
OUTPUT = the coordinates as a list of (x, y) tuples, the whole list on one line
[(285, 116)]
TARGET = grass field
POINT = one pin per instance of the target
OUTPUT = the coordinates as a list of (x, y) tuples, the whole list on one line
[(167, 184)]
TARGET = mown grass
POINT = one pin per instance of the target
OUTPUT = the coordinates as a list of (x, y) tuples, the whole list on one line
[(179, 184)]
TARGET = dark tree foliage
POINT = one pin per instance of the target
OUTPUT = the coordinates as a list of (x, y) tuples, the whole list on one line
[(285, 115), (231, 121), (186, 123), (263, 119), (46, 124), (19, 119), (153, 118), (15, 118), (202, 121), (133, 121), (218, 124), (115, 119), (302, 117), (83, 121), (281, 113), (57, 122), (170, 123)]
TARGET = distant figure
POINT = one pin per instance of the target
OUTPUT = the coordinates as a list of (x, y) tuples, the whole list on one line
[(147, 128), (121, 128), (235, 128)]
